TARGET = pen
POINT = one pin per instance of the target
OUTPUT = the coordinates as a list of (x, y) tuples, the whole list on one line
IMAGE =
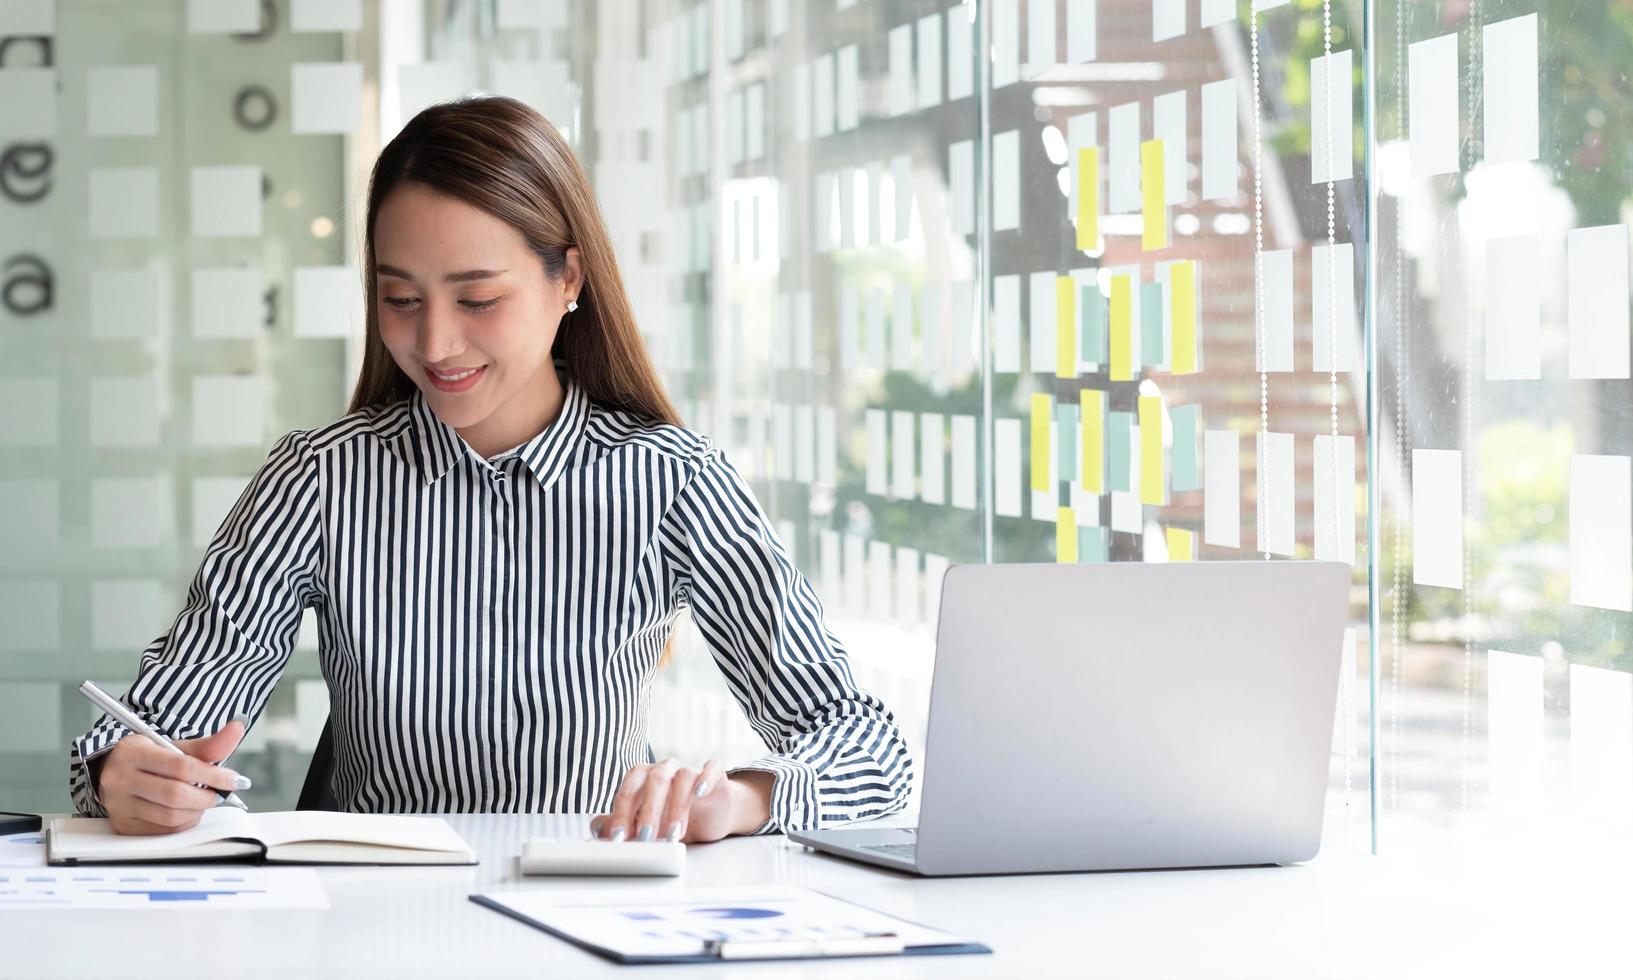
[(118, 712)]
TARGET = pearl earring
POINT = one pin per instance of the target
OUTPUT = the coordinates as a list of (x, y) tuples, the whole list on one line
[(572, 305)]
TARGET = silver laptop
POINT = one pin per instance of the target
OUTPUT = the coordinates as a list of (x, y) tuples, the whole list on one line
[(1121, 716)]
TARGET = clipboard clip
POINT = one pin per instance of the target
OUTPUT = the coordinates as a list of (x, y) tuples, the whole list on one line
[(867, 944)]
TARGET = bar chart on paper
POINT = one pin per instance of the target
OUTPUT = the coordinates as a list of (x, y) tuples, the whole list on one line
[(160, 888)]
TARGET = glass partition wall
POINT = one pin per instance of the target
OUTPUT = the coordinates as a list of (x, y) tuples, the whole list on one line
[(997, 280)]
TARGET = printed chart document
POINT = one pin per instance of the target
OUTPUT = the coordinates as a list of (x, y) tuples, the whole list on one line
[(288, 837), (166, 889), (670, 925)]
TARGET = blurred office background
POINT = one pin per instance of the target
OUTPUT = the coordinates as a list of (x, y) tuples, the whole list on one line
[(996, 280)]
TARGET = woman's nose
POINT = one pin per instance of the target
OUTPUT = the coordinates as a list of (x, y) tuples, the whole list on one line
[(440, 338)]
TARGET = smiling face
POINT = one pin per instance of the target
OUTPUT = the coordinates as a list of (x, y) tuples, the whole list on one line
[(468, 313)]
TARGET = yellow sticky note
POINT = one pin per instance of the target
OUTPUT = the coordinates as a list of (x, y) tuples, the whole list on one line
[(1065, 327), (1065, 536), (1152, 187), (1088, 198), (1122, 329), (1182, 293), (1153, 485), (1043, 409), (1093, 426), (1181, 545)]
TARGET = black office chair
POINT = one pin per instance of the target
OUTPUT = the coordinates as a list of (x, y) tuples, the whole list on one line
[(315, 791)]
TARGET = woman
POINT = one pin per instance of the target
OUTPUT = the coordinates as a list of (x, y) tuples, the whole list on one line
[(497, 541)]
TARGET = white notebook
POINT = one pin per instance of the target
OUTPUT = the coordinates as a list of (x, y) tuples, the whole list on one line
[(288, 837)]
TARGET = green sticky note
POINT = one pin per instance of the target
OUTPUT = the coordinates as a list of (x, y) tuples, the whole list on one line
[(1066, 427), (1186, 420), (1119, 446), (1151, 346), (1091, 545), (1091, 312)]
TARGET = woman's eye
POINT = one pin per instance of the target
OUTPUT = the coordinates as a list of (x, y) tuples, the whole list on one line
[(400, 302), (477, 305)]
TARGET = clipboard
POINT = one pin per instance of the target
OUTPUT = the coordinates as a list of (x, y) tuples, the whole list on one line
[(712, 925)]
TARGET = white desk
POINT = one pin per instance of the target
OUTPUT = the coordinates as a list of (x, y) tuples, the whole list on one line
[(1339, 916)]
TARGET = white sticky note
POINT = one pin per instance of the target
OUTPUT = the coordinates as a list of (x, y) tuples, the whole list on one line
[(1332, 295), (1602, 736), (876, 329), (1219, 163), (327, 96), (846, 84), (1598, 301), (29, 407), (1508, 55), (961, 185), (213, 498), (804, 443), (822, 95), (1332, 117), (428, 83), (1082, 31), (929, 65), (1044, 333), (1006, 42), (514, 15), (964, 493), (124, 202), (328, 301), (855, 573), (908, 605), (228, 410), (226, 202), (901, 330), (1006, 180), (803, 351), (1602, 532), (223, 16), (124, 412), (903, 455), (130, 512), (1123, 158), (960, 50), (1007, 473), (878, 475), (124, 304), (1275, 501), (1275, 347), (1082, 133), (879, 580), (901, 193), (1437, 517), (755, 121), (932, 458), (1167, 19), (1216, 12), (1432, 105), (227, 302), (125, 613), (1006, 324), (1514, 722), (833, 589), (1168, 125), (28, 18), (827, 454), (850, 326), (900, 52), (1040, 38), (933, 331), (1334, 494), (341, 16), (122, 100), (28, 103), (1513, 297), (1222, 488), (31, 609)]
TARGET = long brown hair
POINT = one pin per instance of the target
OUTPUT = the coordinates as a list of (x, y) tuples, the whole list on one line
[(499, 155)]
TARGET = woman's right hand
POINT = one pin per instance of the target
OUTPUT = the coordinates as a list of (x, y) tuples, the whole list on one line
[(147, 790)]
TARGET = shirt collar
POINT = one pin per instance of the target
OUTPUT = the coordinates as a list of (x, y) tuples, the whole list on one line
[(547, 454)]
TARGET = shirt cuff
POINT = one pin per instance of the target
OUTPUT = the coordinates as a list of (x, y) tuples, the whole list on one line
[(89, 746), (793, 793)]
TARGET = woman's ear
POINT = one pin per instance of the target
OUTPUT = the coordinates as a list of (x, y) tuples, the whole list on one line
[(572, 276)]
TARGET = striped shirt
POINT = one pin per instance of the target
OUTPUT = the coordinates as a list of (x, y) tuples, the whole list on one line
[(489, 629)]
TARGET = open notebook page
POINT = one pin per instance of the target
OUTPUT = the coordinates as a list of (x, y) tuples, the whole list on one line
[(395, 830), (78, 835)]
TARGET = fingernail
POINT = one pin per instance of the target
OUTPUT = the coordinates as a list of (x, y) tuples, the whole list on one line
[(618, 834), (240, 781), (239, 717), (674, 831), (703, 789), (646, 832)]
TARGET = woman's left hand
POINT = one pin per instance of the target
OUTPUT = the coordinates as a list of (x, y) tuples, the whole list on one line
[(667, 801)]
